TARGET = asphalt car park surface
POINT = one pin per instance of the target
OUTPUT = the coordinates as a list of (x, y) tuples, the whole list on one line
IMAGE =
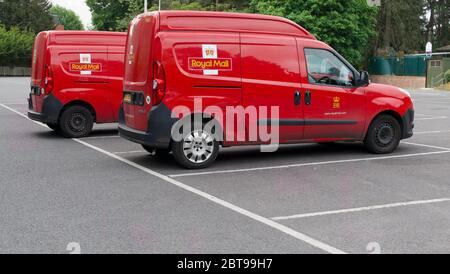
[(110, 196)]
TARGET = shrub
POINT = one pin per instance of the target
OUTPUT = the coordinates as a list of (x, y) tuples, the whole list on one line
[(15, 47)]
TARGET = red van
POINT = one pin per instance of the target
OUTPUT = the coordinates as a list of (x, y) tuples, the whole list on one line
[(252, 62), (77, 79)]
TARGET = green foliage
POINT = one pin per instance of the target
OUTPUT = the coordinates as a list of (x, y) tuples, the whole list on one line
[(135, 7), (68, 18), (116, 14), (107, 14), (447, 76), (15, 47), (347, 25), (438, 24), (30, 15), (400, 26)]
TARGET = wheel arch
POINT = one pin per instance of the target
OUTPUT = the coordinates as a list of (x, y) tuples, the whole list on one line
[(205, 118), (389, 112), (82, 103)]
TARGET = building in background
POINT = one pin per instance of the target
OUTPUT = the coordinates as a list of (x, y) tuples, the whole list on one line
[(374, 2)]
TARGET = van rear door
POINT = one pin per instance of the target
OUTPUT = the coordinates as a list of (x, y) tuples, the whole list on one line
[(38, 70), (138, 76), (115, 65)]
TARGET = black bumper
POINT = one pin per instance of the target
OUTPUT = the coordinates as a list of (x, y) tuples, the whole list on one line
[(158, 134), (408, 124), (51, 108)]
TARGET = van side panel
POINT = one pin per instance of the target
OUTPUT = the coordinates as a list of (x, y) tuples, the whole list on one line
[(271, 78), (206, 65), (75, 84), (230, 22)]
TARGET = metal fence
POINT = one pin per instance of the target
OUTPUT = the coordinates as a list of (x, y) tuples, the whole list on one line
[(399, 66)]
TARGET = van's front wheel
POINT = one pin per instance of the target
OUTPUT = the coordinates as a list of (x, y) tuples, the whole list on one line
[(384, 135), (76, 122), (198, 149)]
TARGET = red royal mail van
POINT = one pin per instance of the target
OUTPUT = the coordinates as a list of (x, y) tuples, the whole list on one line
[(76, 80), (184, 65)]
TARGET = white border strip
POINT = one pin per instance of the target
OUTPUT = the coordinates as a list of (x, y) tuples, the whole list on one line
[(100, 137), (130, 152), (431, 118), (289, 231), (359, 209), (428, 146), (309, 164), (432, 132)]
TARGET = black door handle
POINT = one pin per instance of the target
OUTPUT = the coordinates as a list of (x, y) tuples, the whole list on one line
[(297, 98), (308, 98)]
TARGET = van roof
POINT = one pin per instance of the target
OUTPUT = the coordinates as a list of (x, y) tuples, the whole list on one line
[(226, 21), (86, 38)]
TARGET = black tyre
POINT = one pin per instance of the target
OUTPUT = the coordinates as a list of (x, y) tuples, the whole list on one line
[(198, 149), (54, 127), (157, 152), (384, 135), (76, 122)]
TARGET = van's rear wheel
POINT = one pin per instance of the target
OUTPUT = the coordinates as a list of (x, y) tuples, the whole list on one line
[(76, 122), (384, 135), (198, 149)]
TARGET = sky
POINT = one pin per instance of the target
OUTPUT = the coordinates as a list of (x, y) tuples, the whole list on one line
[(79, 7)]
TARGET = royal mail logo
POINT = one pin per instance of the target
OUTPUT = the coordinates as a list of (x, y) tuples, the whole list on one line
[(95, 67), (336, 102), (220, 64)]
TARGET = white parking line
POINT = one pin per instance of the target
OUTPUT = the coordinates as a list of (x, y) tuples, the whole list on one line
[(289, 231), (425, 145), (359, 209), (432, 132), (130, 152), (100, 137), (431, 118), (309, 164), (15, 103)]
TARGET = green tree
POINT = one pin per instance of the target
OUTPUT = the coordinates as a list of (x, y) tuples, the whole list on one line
[(15, 46), (31, 15), (116, 14), (107, 14), (67, 17), (135, 7), (400, 26), (347, 25), (438, 24)]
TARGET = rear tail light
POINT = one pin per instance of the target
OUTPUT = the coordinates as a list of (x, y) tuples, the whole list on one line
[(48, 79), (159, 83)]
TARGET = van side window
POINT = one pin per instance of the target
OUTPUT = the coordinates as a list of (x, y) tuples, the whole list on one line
[(325, 68)]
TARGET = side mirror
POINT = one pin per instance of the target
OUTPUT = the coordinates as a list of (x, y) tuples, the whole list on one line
[(363, 79)]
